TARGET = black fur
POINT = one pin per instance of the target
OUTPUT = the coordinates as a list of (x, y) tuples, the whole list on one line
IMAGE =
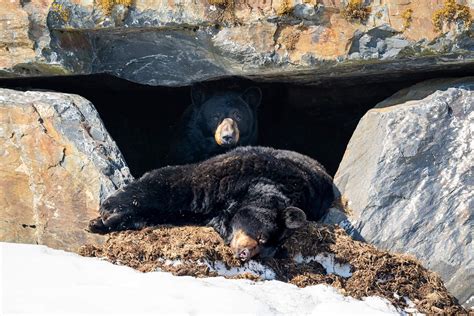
[(194, 140), (257, 189)]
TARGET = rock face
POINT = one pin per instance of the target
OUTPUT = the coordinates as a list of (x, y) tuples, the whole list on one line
[(176, 43), (407, 175), (57, 162)]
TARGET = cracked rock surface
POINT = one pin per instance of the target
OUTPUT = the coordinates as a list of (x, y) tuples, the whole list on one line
[(57, 162), (176, 43), (407, 175)]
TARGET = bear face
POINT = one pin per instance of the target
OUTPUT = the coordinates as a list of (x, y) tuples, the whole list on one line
[(260, 231), (228, 117), (215, 123)]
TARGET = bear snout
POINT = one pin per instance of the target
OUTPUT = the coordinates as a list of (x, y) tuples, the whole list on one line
[(227, 133), (243, 246), (244, 254)]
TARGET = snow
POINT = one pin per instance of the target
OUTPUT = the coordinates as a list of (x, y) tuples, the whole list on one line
[(328, 262), (39, 280), (251, 266), (411, 309)]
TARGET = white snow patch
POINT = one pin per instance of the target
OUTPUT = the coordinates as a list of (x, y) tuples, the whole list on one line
[(411, 309), (39, 280), (251, 266), (173, 263), (254, 267), (328, 262), (471, 299)]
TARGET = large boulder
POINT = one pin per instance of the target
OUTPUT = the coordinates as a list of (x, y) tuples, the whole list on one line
[(407, 177), (177, 43), (57, 162)]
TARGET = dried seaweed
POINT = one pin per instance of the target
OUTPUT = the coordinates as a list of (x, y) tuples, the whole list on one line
[(374, 272)]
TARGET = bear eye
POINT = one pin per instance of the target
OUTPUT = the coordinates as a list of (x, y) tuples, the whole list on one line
[(237, 116), (261, 240), (215, 118)]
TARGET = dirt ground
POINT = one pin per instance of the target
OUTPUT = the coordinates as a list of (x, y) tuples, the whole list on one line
[(374, 272)]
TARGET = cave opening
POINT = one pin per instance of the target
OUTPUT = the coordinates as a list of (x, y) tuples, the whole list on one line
[(317, 120)]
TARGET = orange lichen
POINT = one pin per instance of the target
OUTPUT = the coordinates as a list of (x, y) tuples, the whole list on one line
[(220, 3), (407, 17), (107, 5), (285, 8), (356, 10), (63, 12), (452, 12)]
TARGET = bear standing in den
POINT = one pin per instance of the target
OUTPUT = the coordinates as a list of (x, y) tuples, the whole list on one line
[(215, 123), (252, 196)]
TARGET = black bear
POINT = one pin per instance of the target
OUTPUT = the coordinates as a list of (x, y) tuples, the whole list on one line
[(252, 196), (215, 123)]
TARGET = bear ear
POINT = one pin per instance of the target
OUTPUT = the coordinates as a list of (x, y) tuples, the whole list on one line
[(252, 96), (294, 217), (198, 94)]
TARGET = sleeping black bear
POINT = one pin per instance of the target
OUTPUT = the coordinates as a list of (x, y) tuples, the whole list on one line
[(252, 196)]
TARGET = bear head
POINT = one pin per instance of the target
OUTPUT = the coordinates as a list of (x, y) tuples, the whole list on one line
[(260, 231), (228, 117)]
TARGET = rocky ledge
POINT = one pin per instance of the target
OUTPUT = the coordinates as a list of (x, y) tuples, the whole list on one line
[(181, 42)]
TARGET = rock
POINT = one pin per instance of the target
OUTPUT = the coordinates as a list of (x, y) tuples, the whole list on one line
[(57, 162), (175, 43), (15, 45), (407, 175), (378, 43), (248, 45)]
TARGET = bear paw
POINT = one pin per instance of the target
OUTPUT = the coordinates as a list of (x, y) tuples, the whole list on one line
[(118, 213), (97, 226)]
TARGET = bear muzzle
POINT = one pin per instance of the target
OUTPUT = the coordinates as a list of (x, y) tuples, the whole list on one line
[(227, 133), (243, 246)]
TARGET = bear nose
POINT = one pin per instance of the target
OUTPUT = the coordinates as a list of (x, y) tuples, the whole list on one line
[(227, 138), (244, 254)]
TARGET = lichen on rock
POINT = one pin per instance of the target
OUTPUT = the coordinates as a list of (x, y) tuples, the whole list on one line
[(452, 12)]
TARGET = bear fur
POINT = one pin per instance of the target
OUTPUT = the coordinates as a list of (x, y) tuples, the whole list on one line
[(252, 196), (215, 123)]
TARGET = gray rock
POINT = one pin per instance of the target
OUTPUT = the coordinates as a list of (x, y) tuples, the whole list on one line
[(381, 42), (177, 56), (408, 176), (77, 16), (176, 44), (305, 11), (57, 163), (168, 57)]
